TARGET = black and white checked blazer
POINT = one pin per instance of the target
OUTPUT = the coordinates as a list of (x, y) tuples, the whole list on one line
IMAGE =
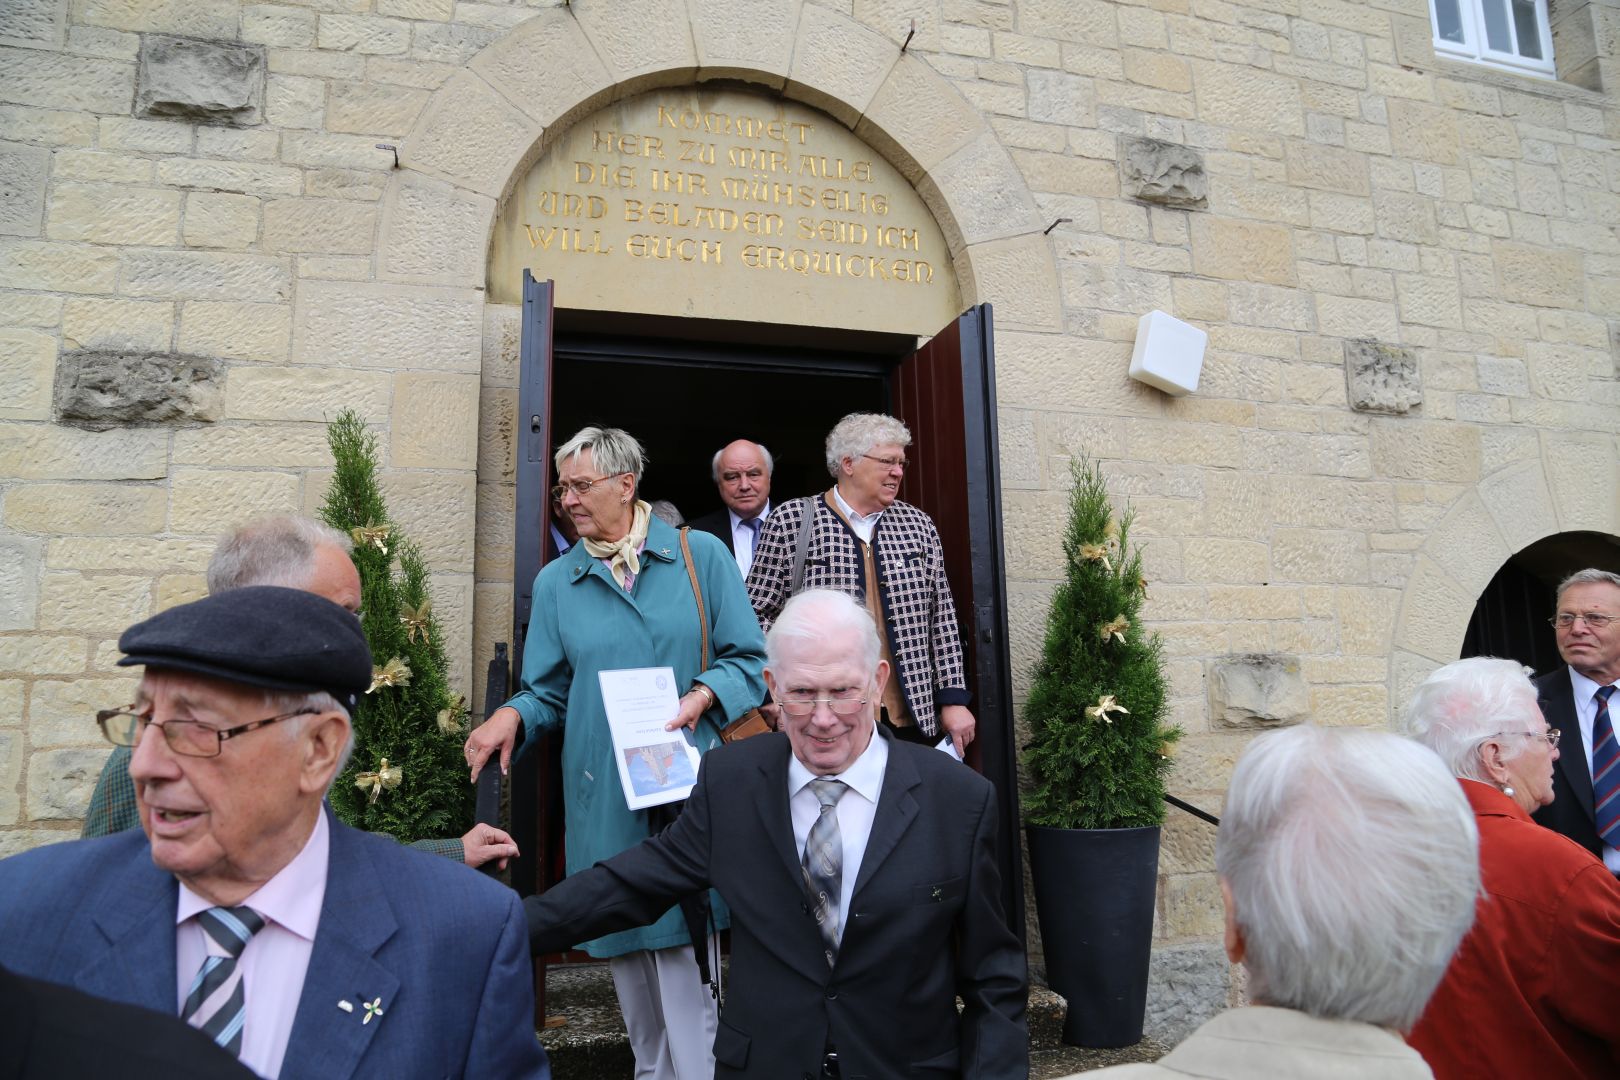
[(914, 593)]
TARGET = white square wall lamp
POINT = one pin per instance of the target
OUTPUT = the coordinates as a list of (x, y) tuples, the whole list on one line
[(1169, 353)]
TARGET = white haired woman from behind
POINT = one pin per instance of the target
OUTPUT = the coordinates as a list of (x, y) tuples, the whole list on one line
[(1349, 867)]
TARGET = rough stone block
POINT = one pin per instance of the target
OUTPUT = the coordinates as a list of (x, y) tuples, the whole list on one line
[(101, 390), (1536, 275), (387, 326), (60, 783), (977, 194), (1246, 97), (1434, 616), (236, 330), (106, 323), (438, 510), (207, 501), (1584, 480), (1257, 691), (129, 554), (1187, 985), (752, 41), (1019, 274), (220, 221), (1520, 503), (22, 188), (306, 393), (917, 119), (54, 452), (638, 37), (11, 757), (471, 136), (55, 80), (270, 446), (327, 226), (363, 34), (282, 27), (63, 712), (1426, 450), (204, 275), (68, 268), (548, 69), (1057, 97), (19, 580), (435, 234), (1243, 250), (838, 64), (1318, 555), (1424, 132), (114, 214), (1382, 378), (86, 509), (1351, 317), (435, 422), (371, 109), (42, 654), (206, 82), (27, 366), (33, 309), (237, 176), (294, 101)]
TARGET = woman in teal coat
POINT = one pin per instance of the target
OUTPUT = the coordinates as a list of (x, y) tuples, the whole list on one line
[(622, 598)]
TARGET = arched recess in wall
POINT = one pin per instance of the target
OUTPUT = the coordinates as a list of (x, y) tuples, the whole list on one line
[(1558, 482)]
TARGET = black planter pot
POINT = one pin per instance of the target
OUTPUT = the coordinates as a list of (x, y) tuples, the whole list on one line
[(1094, 893)]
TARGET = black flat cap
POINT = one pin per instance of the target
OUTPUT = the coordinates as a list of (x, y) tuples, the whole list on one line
[(275, 638)]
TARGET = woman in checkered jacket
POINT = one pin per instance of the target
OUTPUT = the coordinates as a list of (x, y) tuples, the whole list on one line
[(862, 540)]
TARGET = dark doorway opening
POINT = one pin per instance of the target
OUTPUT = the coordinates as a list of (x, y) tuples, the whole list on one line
[(684, 405), (1510, 617)]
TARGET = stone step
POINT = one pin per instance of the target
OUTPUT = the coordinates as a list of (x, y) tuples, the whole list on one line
[(590, 1044)]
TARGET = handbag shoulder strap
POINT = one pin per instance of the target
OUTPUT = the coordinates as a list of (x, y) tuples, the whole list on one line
[(697, 594), (805, 527)]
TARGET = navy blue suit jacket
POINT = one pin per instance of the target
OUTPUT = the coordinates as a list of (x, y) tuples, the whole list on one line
[(440, 944)]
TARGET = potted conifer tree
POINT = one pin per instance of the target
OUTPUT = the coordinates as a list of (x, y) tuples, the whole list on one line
[(1097, 764), (407, 776)]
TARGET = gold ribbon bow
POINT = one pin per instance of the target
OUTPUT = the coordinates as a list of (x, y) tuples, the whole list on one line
[(394, 673), (1097, 553), (450, 718), (1115, 629), (1105, 705), (376, 535), (1111, 530), (386, 776), (415, 620)]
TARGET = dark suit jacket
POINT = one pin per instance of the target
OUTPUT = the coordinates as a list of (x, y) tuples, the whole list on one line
[(440, 944), (1571, 811), (717, 524), (53, 1033), (925, 923)]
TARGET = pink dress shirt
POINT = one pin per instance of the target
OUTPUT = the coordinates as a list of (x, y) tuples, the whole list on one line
[(274, 962)]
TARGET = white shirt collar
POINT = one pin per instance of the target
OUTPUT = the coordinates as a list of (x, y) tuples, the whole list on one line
[(764, 512), (1586, 689), (864, 777), (292, 898), (850, 512)]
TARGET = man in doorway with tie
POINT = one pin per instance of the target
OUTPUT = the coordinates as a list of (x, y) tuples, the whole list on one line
[(1578, 699), (861, 874), (302, 946), (742, 472)]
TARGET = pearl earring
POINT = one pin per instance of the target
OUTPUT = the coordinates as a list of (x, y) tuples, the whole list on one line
[(1507, 790)]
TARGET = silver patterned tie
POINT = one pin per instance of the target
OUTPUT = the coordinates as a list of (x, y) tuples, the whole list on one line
[(216, 1003), (823, 864)]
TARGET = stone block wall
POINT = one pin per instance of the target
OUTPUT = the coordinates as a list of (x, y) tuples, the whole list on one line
[(1409, 269)]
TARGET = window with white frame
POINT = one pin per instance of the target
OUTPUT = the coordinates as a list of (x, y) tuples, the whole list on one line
[(1511, 34)]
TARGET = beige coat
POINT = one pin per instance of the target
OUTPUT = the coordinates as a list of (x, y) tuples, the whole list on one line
[(1263, 1043)]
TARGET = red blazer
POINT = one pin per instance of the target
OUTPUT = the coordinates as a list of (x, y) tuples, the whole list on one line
[(1535, 988)]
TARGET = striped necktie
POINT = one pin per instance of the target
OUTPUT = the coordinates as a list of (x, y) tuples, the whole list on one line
[(823, 864), (1605, 771), (216, 1003)]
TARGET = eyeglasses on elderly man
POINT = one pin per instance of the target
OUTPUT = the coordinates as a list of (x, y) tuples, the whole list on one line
[(193, 738)]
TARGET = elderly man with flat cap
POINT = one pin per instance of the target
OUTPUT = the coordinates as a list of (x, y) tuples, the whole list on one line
[(305, 947)]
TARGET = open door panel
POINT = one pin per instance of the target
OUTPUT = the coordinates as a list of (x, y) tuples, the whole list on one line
[(945, 392)]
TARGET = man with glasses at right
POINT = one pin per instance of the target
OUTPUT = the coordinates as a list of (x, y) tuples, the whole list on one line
[(1577, 699), (860, 539)]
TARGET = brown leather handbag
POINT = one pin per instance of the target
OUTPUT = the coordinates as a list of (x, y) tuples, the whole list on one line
[(753, 721)]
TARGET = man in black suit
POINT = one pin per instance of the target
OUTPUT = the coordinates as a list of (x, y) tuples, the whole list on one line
[(861, 876), (1576, 700), (742, 471)]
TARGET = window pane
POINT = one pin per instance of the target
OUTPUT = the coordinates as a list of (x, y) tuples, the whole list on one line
[(1448, 21), (1524, 24), (1497, 36)]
